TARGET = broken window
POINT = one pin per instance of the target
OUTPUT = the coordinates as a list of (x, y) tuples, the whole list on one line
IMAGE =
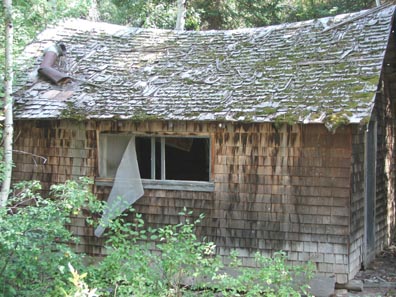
[(159, 158), (168, 162)]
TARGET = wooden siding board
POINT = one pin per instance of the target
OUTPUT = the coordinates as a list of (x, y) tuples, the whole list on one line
[(272, 169), (385, 182), (61, 144), (273, 190)]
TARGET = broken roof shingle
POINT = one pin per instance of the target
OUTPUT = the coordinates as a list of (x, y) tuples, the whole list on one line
[(309, 71)]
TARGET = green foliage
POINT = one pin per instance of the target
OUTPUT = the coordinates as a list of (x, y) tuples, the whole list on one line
[(271, 277), (35, 250), (310, 9), (172, 261), (147, 14), (222, 14), (30, 17), (80, 288), (232, 14), (139, 13), (260, 13), (183, 255), (132, 268), (34, 240)]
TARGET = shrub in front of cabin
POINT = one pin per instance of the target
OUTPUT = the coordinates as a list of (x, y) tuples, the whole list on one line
[(34, 240)]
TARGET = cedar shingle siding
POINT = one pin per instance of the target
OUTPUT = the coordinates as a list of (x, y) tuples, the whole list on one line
[(286, 110)]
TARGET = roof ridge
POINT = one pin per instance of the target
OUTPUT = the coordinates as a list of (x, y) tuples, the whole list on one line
[(362, 15)]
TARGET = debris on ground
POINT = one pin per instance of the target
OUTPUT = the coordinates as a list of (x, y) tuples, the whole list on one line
[(379, 278)]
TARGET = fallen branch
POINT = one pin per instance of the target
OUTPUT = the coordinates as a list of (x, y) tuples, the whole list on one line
[(33, 155)]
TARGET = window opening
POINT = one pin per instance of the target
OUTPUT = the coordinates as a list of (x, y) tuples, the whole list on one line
[(143, 144), (159, 158), (187, 159), (129, 158), (173, 158)]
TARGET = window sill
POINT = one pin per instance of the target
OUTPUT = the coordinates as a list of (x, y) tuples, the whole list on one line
[(178, 185)]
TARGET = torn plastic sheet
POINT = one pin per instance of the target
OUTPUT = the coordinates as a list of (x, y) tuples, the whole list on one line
[(127, 187)]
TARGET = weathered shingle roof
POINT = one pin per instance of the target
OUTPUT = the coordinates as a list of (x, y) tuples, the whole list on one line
[(312, 71)]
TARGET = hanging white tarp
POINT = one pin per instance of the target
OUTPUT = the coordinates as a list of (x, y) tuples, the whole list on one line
[(127, 187)]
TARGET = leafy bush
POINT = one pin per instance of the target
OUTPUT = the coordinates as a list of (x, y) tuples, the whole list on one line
[(271, 277), (34, 240), (80, 288), (172, 261), (133, 268)]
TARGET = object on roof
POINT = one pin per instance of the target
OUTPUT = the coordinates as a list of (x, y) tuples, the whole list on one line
[(46, 69)]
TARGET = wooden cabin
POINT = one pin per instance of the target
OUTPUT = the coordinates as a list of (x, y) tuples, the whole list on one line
[(283, 136)]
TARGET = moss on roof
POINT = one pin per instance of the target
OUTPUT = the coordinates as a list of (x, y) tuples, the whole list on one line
[(324, 70)]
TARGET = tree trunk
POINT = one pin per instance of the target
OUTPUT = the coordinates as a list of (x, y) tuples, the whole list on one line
[(8, 104), (181, 14), (93, 13)]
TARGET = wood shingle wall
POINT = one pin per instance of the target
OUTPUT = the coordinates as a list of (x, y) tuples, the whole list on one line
[(357, 200), (385, 182), (54, 151), (275, 188), (293, 193)]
